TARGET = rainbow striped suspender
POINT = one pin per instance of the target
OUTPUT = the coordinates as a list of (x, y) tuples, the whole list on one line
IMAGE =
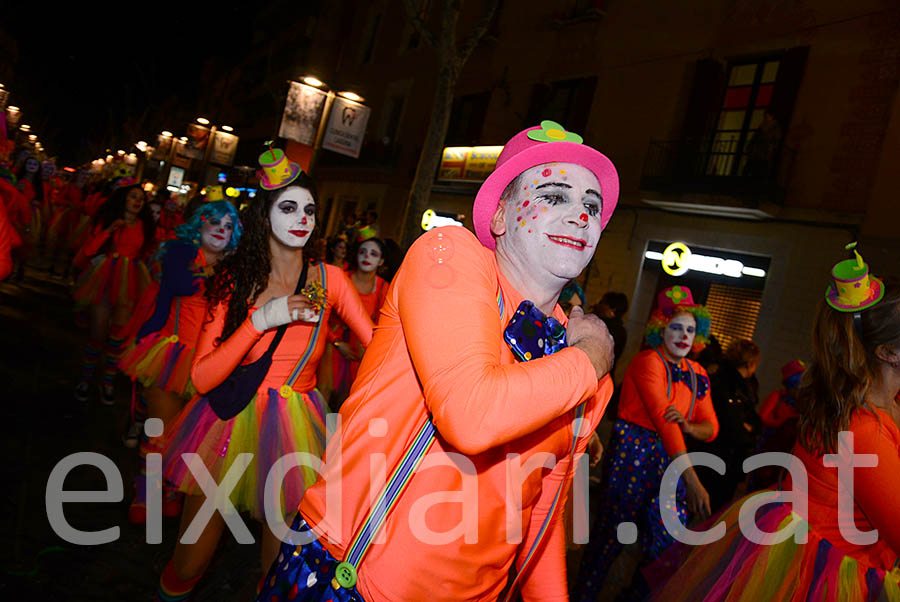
[(670, 384)]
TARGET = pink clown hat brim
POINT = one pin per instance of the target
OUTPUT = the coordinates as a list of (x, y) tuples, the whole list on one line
[(488, 197), (264, 179), (876, 293)]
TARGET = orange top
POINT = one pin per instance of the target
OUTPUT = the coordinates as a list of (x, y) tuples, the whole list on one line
[(17, 208), (191, 310), (213, 364), (127, 241), (372, 302), (7, 236), (439, 351), (643, 400), (774, 412), (876, 490)]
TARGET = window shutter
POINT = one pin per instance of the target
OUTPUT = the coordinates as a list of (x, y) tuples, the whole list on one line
[(705, 99), (787, 84)]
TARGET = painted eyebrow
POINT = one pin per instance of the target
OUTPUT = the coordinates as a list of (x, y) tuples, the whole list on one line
[(593, 192), (553, 184)]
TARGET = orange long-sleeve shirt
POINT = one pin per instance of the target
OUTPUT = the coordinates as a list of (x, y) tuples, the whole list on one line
[(876, 490), (438, 350), (213, 364), (643, 400), (127, 241), (774, 412)]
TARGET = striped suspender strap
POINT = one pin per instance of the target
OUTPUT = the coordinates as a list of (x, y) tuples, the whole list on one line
[(579, 417), (313, 339), (177, 313), (346, 571), (669, 382)]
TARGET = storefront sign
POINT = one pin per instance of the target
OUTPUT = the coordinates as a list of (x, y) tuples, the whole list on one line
[(197, 139), (346, 127), (176, 177), (468, 163), (224, 148), (677, 260), (302, 113)]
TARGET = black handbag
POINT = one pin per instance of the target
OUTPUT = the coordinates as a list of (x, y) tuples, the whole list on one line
[(229, 398)]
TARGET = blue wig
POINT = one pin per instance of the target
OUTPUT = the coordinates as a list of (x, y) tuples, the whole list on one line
[(189, 231)]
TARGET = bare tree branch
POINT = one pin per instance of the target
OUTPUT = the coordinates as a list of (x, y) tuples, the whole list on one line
[(477, 32), (419, 24)]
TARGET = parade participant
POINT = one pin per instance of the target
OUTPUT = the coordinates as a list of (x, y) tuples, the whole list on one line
[(7, 237), (267, 285), (336, 252), (442, 372), (161, 355), (68, 221), (340, 362), (818, 538), (665, 397), (112, 283), (734, 401), (779, 416)]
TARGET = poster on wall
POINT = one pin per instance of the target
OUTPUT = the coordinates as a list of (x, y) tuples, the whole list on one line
[(4, 97), (197, 139), (224, 147), (302, 113), (163, 146), (346, 127)]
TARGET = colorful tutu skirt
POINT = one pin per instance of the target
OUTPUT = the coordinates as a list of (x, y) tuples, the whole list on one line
[(734, 569), (111, 279), (160, 361), (270, 428)]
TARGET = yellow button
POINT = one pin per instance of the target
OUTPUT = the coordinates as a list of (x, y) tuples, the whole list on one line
[(173, 338), (285, 391), (115, 255), (345, 573)]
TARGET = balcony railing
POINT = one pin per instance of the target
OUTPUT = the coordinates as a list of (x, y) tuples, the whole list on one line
[(719, 168)]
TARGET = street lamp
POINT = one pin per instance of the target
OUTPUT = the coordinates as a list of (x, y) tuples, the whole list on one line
[(203, 121), (351, 96), (25, 128), (313, 81), (227, 128), (166, 134)]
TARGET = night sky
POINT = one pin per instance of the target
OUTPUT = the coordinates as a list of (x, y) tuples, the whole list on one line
[(83, 75)]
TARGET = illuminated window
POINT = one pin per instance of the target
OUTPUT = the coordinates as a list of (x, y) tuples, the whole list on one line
[(734, 312)]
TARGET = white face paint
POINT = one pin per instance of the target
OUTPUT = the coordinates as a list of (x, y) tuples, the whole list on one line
[(48, 170), (215, 233), (678, 337), (155, 210), (32, 165), (369, 258), (293, 217), (552, 221)]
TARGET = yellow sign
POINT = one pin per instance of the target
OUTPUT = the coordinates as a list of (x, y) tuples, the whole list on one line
[(675, 259), (468, 163)]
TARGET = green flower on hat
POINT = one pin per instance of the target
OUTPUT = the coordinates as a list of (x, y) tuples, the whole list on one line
[(676, 295), (553, 132)]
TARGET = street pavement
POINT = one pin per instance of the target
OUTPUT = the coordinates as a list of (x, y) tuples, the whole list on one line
[(40, 349)]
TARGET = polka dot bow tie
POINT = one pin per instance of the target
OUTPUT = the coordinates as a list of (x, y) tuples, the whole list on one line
[(685, 376), (530, 334)]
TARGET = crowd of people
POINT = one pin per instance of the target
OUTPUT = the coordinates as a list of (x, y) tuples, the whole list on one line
[(469, 378)]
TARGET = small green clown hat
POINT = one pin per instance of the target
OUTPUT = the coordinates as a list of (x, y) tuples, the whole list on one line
[(853, 288)]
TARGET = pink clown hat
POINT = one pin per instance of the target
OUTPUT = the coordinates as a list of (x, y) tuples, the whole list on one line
[(548, 143)]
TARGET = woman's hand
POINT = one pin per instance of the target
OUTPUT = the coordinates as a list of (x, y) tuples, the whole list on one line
[(673, 415), (117, 224), (346, 351), (280, 311), (595, 449), (697, 496)]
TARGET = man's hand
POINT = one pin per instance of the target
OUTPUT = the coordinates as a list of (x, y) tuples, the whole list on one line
[(697, 496), (595, 449), (589, 333)]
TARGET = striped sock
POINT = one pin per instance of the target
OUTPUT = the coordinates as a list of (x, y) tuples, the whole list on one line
[(89, 361), (172, 588), (113, 350)]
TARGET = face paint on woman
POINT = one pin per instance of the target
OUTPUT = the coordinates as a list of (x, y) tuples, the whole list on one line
[(678, 337), (215, 233), (293, 217), (369, 258)]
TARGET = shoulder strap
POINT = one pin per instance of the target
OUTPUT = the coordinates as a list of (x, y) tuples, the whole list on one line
[(314, 337), (668, 373), (690, 415)]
